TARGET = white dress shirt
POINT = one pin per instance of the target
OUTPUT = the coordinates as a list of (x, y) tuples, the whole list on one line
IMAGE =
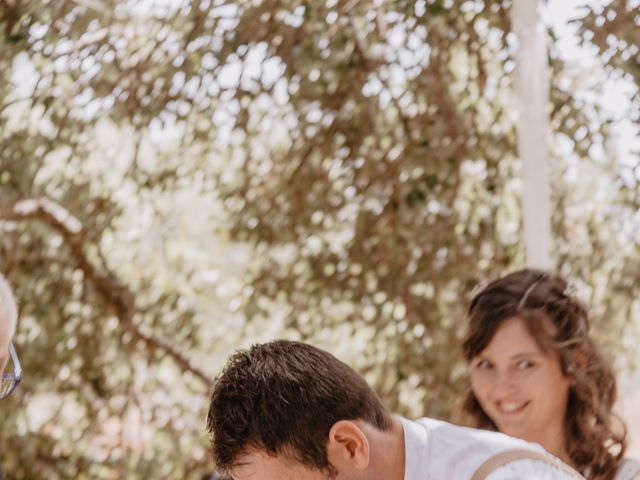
[(629, 470), (436, 450)]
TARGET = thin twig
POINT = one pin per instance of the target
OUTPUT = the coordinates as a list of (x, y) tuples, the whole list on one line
[(119, 298)]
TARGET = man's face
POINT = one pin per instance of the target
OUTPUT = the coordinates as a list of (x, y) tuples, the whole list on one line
[(257, 465)]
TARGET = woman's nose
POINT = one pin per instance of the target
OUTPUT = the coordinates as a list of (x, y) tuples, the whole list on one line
[(504, 385)]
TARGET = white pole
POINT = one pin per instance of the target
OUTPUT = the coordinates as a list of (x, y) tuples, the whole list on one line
[(532, 83)]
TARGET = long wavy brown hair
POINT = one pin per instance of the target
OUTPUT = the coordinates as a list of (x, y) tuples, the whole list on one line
[(596, 438)]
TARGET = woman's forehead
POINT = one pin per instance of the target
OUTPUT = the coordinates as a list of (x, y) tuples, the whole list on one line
[(512, 337)]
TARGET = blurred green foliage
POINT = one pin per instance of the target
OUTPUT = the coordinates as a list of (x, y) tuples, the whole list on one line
[(181, 178)]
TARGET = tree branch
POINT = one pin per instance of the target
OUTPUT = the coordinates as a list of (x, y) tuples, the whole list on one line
[(119, 298)]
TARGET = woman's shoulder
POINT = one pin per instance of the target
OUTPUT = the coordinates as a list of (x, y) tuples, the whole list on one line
[(629, 470)]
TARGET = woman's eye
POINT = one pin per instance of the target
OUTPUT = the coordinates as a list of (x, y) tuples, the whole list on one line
[(524, 364), (483, 365)]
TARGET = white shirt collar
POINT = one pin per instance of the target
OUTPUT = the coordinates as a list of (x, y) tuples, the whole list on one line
[(416, 463)]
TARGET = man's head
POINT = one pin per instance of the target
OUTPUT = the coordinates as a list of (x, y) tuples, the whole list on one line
[(289, 410), (8, 319)]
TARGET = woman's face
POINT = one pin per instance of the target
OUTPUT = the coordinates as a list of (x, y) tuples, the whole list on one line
[(521, 387)]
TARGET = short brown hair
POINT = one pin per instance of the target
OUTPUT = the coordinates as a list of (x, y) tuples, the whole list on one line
[(595, 441), (284, 397)]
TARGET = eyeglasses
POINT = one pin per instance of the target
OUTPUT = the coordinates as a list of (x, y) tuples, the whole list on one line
[(9, 381)]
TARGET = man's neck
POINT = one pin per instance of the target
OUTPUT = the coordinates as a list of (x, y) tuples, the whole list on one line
[(388, 452)]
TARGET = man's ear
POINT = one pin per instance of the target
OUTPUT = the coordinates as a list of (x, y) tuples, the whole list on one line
[(348, 446)]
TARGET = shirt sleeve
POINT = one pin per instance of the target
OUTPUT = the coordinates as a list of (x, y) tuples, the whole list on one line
[(529, 469)]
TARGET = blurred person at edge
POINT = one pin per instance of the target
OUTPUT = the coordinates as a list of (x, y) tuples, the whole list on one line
[(537, 374), (9, 364)]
